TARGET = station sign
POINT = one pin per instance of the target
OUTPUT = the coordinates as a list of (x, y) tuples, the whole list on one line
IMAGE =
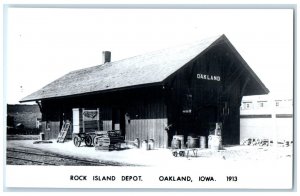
[(89, 115), (208, 77)]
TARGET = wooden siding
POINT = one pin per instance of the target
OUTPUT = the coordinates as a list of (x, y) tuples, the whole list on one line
[(196, 104), (51, 129), (144, 122), (106, 117)]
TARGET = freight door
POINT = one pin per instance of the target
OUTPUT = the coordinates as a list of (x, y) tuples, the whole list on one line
[(206, 118), (118, 120), (147, 122)]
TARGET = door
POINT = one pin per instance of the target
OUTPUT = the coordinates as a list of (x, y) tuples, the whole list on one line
[(122, 122), (118, 120), (206, 119)]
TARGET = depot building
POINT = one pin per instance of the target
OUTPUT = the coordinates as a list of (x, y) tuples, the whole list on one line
[(183, 90)]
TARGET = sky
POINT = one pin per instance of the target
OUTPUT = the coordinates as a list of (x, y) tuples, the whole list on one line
[(43, 44)]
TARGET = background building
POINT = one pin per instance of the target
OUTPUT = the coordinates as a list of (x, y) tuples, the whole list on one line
[(266, 118)]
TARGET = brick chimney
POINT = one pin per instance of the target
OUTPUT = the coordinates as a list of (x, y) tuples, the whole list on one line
[(106, 56)]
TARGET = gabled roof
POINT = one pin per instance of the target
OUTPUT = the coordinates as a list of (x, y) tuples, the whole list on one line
[(149, 69)]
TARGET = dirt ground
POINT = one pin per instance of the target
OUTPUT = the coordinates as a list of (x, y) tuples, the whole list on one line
[(156, 157), (23, 137)]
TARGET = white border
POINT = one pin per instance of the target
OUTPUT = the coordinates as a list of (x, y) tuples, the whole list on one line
[(263, 3)]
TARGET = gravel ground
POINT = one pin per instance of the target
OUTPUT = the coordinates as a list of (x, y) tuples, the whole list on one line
[(30, 156), (157, 157)]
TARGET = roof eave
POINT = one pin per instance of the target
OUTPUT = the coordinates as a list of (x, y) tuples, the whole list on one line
[(95, 92)]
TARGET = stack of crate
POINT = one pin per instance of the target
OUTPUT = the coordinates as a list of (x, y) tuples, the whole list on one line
[(108, 140)]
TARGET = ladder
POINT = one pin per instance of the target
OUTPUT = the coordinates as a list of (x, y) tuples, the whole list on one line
[(63, 132)]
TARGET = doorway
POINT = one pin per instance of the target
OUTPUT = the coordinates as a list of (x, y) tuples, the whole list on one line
[(118, 120), (205, 120)]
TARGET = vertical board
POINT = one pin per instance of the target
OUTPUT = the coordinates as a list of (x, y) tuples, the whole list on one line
[(100, 122), (148, 121), (107, 118), (54, 129)]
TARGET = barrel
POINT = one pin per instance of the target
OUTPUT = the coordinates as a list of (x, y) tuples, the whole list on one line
[(214, 142), (42, 136), (176, 144), (181, 139), (202, 140), (144, 145), (192, 142), (151, 144)]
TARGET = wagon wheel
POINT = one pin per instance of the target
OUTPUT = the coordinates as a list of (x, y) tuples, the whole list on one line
[(175, 154), (93, 140), (77, 141), (181, 153), (88, 140)]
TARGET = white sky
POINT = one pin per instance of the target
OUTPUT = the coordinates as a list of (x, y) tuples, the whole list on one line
[(44, 44)]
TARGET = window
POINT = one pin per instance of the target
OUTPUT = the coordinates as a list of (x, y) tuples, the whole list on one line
[(261, 104), (187, 104), (246, 105)]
